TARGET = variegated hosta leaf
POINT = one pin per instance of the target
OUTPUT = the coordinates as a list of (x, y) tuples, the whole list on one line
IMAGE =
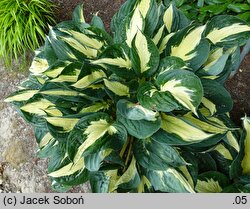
[(135, 112), (56, 90), (169, 180), (211, 182), (135, 24), (190, 171), (61, 49), (99, 182), (144, 183), (77, 16), (116, 60), (96, 107), (144, 55), (20, 96), (75, 44), (69, 74), (174, 19), (149, 12), (154, 155), (215, 63), (117, 88), (157, 37), (39, 64), (89, 77), (97, 22), (144, 17), (34, 82), (164, 42), (223, 151), (62, 124), (181, 131), (190, 45), (183, 85), (57, 68), (216, 97), (41, 107), (227, 30), (45, 140), (212, 124), (171, 63), (90, 130), (232, 140), (173, 89), (120, 21), (141, 125), (246, 159), (220, 64), (130, 178), (93, 161), (89, 42)]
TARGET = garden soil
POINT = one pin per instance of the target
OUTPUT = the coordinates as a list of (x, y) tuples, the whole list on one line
[(20, 169)]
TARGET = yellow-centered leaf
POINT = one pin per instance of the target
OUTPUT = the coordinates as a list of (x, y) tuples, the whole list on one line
[(186, 48), (219, 34), (183, 129), (136, 24), (23, 96), (141, 45)]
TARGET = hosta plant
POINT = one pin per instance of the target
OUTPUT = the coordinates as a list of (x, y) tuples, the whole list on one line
[(202, 10), (23, 25), (142, 109)]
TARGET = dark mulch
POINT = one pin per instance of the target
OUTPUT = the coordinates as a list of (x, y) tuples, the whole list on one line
[(238, 86), (105, 8)]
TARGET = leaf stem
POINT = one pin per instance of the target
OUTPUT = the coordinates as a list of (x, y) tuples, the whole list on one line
[(124, 148), (129, 150)]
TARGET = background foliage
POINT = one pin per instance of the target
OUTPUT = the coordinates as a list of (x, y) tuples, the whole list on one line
[(202, 10)]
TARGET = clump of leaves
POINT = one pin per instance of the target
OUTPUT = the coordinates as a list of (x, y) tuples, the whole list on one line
[(23, 25), (143, 109), (203, 10)]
